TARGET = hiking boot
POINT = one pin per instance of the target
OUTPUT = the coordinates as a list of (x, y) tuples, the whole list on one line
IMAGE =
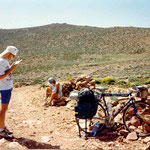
[(4, 134), (7, 131)]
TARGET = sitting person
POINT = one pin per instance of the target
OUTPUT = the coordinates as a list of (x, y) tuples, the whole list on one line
[(54, 92)]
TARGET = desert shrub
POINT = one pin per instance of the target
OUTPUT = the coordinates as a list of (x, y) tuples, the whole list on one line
[(145, 73), (69, 78), (108, 80), (132, 79), (147, 81), (139, 51), (136, 83), (97, 81), (121, 82), (44, 85), (126, 85)]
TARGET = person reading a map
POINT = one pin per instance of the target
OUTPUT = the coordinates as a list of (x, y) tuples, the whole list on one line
[(6, 85)]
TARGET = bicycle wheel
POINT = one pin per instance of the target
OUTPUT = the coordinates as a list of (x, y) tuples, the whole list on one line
[(87, 125), (137, 122)]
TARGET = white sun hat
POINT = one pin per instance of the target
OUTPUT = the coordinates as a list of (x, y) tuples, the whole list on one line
[(11, 49), (50, 80)]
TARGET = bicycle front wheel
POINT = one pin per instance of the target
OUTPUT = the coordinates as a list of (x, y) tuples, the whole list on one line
[(137, 122), (87, 125)]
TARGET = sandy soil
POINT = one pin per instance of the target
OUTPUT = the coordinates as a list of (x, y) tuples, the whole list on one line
[(36, 126)]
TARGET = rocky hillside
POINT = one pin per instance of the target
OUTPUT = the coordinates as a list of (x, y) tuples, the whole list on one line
[(64, 37), (63, 50)]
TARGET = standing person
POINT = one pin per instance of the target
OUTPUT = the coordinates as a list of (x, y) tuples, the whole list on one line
[(54, 92), (6, 85)]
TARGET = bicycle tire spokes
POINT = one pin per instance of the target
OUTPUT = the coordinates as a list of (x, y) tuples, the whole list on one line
[(138, 121)]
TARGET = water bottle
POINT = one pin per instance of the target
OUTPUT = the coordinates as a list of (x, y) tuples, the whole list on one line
[(95, 128)]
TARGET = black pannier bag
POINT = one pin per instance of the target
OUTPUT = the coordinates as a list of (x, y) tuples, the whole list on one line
[(87, 104)]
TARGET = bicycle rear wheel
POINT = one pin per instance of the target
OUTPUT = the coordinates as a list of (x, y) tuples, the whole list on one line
[(87, 125), (138, 122)]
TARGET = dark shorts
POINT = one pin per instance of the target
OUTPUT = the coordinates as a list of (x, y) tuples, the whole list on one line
[(5, 96)]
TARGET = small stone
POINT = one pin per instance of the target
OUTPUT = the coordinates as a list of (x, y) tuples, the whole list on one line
[(45, 139), (118, 118), (123, 132), (15, 145), (146, 140), (99, 148), (135, 121), (120, 127), (126, 141), (146, 127), (132, 136), (120, 138), (111, 144), (2, 141), (148, 146), (57, 133), (114, 103), (50, 131)]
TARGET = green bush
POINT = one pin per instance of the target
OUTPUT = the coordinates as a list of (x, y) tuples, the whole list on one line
[(69, 78), (132, 80), (121, 82), (137, 83), (44, 85), (97, 81), (144, 73), (147, 81), (108, 80)]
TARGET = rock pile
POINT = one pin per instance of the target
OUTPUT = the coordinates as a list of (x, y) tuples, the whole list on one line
[(78, 84)]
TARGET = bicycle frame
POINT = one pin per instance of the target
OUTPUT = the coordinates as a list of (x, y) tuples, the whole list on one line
[(118, 94)]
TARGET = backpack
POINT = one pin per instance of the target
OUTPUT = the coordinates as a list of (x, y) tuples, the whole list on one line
[(87, 104)]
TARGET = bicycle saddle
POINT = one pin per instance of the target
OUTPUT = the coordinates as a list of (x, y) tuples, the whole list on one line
[(102, 88)]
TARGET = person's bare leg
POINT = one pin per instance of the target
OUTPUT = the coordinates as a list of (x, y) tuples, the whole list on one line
[(3, 110), (48, 92), (53, 96)]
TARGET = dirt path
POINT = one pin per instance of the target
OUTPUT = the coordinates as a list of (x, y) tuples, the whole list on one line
[(36, 126)]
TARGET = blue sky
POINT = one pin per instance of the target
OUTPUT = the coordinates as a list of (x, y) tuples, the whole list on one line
[(100, 13)]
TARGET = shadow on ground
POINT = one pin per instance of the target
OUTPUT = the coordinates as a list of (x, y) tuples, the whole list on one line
[(106, 135), (31, 144)]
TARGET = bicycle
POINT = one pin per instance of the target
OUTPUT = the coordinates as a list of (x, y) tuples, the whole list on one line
[(136, 114)]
